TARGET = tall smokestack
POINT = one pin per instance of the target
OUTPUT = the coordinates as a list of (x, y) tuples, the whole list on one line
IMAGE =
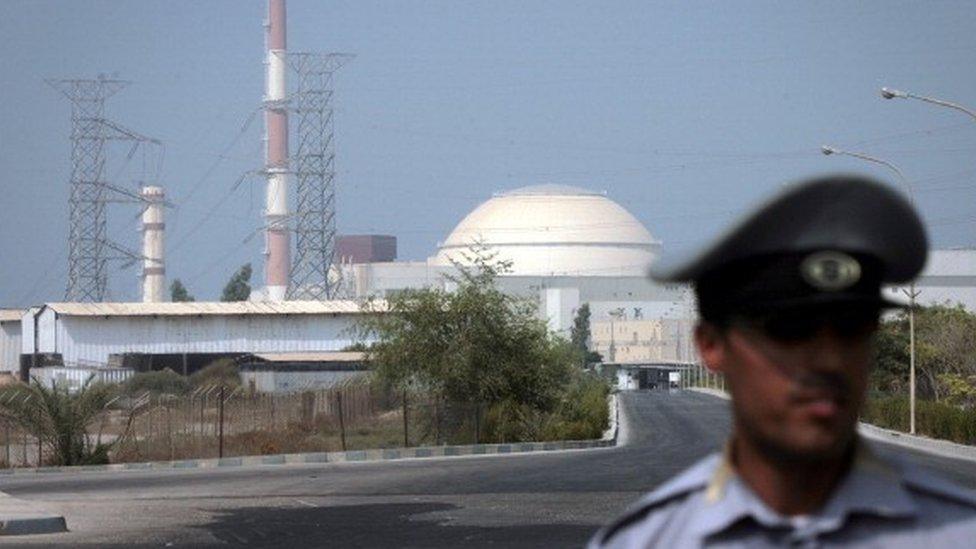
[(153, 262), (278, 238)]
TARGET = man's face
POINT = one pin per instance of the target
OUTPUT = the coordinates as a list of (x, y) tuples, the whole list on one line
[(797, 380)]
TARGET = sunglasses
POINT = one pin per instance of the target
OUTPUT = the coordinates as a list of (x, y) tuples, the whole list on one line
[(800, 325)]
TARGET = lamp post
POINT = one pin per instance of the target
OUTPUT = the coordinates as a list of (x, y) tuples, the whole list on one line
[(889, 93), (911, 292)]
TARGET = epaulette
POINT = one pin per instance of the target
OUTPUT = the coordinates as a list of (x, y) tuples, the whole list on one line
[(694, 478), (930, 484)]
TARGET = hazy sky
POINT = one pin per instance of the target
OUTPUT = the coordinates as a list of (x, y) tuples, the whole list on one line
[(683, 112)]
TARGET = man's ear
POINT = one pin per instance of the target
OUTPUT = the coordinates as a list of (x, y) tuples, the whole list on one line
[(712, 346)]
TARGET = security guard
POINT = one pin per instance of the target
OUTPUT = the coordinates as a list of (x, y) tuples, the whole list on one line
[(789, 300)]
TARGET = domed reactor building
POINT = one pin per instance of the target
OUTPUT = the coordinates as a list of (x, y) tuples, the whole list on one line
[(554, 230), (567, 247)]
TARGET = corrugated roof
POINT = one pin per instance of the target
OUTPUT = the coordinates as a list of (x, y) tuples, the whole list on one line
[(194, 308), (313, 356), (8, 315)]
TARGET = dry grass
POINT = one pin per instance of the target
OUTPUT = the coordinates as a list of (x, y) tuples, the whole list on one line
[(384, 430)]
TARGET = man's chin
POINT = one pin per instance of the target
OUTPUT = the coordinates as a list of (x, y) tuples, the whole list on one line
[(810, 445)]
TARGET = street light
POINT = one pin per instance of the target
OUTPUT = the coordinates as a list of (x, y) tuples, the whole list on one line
[(889, 93), (911, 292)]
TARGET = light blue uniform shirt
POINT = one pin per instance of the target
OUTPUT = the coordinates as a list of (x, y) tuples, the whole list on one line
[(879, 503)]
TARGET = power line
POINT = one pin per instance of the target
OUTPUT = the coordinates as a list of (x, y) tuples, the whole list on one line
[(88, 243)]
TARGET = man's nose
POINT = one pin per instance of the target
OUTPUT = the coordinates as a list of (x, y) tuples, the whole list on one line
[(827, 351)]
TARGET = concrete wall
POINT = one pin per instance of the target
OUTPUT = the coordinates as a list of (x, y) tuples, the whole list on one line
[(75, 378), (377, 279), (10, 346), (27, 331), (559, 307), (269, 381)]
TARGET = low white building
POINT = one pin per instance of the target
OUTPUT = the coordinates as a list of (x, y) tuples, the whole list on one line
[(115, 334), (290, 372), (73, 379), (949, 278)]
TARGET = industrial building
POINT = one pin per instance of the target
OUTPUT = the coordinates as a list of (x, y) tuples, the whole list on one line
[(285, 372), (643, 341), (570, 246), (554, 230), (949, 278), (566, 246), (181, 336), (365, 248)]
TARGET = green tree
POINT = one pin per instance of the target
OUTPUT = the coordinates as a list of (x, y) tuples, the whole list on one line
[(475, 344), (485, 354), (945, 353), (238, 288), (580, 335), (178, 292)]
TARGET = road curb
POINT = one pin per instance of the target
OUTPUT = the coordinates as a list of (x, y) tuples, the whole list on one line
[(22, 526), (708, 391), (358, 456), (935, 446), (614, 408)]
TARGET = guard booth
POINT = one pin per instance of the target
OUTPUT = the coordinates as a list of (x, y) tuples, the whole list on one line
[(644, 377), (654, 377)]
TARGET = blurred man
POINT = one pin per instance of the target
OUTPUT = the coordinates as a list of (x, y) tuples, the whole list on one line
[(789, 301)]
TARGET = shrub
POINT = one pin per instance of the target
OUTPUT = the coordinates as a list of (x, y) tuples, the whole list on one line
[(934, 419), (223, 371), (582, 412), (510, 421), (160, 382)]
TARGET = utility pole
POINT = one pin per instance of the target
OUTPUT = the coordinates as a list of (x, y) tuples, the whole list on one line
[(889, 93), (912, 293), (88, 243)]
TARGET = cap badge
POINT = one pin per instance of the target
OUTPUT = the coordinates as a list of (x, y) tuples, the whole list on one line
[(830, 271)]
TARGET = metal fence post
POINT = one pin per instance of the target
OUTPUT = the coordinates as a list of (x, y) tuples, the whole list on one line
[(406, 436), (342, 424), (170, 404), (477, 423), (220, 412)]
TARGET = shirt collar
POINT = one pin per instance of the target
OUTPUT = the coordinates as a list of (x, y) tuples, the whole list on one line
[(872, 486)]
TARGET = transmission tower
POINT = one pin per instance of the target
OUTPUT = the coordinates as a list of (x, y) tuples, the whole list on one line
[(314, 164), (88, 243)]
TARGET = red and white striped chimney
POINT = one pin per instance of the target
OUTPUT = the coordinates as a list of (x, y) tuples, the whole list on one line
[(277, 236)]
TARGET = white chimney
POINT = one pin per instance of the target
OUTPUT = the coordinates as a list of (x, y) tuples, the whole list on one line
[(153, 263)]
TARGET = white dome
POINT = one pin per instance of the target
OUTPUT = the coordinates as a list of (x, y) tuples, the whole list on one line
[(553, 230)]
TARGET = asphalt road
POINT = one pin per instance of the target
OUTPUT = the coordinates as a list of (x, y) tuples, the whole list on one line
[(532, 500)]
